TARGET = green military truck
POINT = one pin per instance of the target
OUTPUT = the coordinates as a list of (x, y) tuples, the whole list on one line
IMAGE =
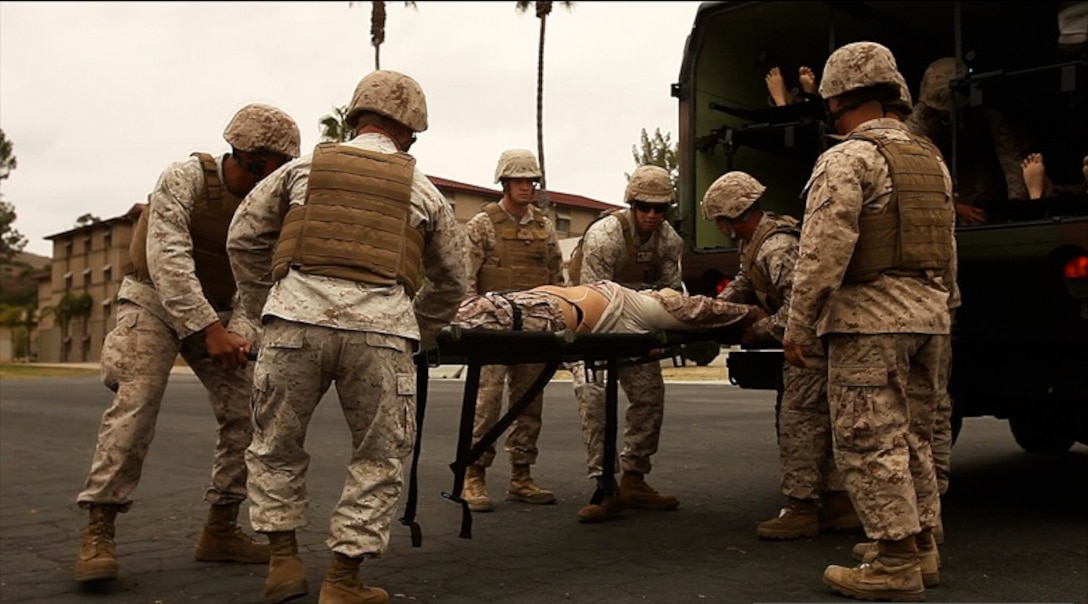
[(1020, 339)]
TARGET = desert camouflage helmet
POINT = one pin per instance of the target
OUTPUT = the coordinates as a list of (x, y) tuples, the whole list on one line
[(517, 163), (392, 94), (934, 91), (858, 65), (904, 91), (258, 126), (650, 184), (903, 105), (731, 195)]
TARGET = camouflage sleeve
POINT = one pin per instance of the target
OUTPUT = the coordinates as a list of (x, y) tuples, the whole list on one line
[(951, 273), (672, 247), (739, 289), (829, 233), (170, 248), (444, 266), (778, 256), (480, 236), (555, 256), (603, 249), (251, 240), (1010, 145), (952, 277)]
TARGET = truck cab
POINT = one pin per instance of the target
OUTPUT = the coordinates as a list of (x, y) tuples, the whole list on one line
[(1020, 338)]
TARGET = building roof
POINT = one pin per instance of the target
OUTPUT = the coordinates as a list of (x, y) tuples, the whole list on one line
[(132, 215), (556, 197)]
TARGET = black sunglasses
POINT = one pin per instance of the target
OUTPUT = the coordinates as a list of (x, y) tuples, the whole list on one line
[(655, 208)]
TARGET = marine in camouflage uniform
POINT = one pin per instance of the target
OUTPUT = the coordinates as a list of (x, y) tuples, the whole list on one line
[(990, 147), (637, 248), (346, 303), (512, 246), (176, 298), (816, 497), (878, 295), (930, 118)]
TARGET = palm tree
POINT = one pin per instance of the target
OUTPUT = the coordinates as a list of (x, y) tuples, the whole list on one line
[(658, 150), (377, 28), (543, 9), (334, 127), (70, 306)]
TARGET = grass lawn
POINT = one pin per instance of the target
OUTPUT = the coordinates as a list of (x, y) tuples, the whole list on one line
[(31, 370)]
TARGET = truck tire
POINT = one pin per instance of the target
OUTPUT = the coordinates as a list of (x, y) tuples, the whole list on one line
[(1044, 434)]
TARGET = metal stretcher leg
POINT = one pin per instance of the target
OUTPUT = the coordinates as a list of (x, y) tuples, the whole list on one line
[(606, 481), (467, 452)]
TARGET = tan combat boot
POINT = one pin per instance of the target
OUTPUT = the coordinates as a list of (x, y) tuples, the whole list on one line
[(222, 540), (609, 507), (636, 493), (522, 488), (837, 512), (475, 490), (342, 584), (894, 575), (929, 557), (286, 577), (798, 519), (97, 559)]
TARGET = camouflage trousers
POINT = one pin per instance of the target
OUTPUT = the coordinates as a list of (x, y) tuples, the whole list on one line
[(942, 427), (539, 311), (375, 382), (522, 435), (645, 390), (137, 357), (805, 453), (882, 392)]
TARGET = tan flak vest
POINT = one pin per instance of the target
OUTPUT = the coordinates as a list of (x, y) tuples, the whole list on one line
[(522, 251), (641, 269), (768, 295), (355, 222), (914, 233), (208, 224)]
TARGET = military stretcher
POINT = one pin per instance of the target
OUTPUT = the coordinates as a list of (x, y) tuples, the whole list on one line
[(475, 348)]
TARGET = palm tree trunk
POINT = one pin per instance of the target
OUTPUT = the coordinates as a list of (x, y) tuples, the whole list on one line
[(540, 116), (377, 30)]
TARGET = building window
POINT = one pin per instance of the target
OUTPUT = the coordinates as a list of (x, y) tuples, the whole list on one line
[(68, 249), (562, 223), (67, 282), (87, 245), (107, 239), (86, 278), (107, 310), (107, 274)]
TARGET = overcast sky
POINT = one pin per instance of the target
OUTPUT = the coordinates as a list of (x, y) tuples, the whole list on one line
[(98, 97)]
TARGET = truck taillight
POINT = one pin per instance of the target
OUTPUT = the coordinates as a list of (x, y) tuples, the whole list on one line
[(1075, 272), (1076, 268), (724, 282)]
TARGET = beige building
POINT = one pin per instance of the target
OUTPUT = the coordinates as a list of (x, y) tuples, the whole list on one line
[(89, 263)]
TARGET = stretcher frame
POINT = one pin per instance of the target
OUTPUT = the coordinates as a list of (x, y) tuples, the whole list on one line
[(477, 347)]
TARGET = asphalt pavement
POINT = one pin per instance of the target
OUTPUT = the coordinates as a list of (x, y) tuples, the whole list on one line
[(1017, 523)]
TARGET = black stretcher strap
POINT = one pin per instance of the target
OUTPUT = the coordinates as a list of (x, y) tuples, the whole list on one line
[(409, 518)]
